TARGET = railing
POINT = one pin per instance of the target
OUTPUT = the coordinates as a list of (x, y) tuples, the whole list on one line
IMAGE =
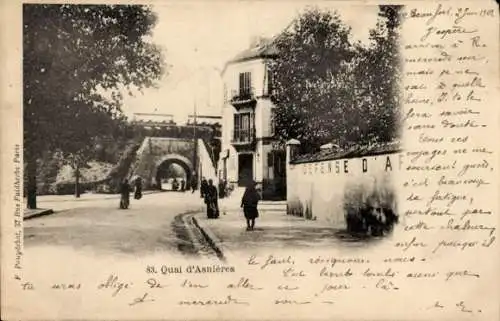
[(243, 95), (243, 135)]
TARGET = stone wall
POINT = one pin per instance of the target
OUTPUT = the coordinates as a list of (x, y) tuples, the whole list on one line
[(328, 188)]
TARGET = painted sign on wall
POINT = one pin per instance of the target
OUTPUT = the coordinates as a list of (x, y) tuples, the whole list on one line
[(326, 190)]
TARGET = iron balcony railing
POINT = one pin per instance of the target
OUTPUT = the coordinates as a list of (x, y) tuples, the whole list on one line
[(243, 95), (243, 136)]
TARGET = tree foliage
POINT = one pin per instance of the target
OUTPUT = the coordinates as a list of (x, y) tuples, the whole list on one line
[(329, 89), (77, 61)]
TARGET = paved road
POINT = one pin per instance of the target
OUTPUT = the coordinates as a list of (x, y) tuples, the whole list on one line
[(274, 232), (151, 225)]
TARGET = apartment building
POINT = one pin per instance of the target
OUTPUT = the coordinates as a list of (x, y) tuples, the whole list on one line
[(248, 152)]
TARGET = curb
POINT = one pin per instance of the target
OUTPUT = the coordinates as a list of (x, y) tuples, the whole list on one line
[(106, 196), (188, 225), (212, 240), (38, 214)]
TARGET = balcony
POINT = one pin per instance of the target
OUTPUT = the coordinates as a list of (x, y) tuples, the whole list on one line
[(244, 97), (243, 138)]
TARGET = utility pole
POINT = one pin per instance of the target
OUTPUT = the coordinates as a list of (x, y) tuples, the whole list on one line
[(195, 158)]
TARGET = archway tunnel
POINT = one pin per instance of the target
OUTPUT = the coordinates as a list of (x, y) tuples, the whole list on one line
[(173, 174)]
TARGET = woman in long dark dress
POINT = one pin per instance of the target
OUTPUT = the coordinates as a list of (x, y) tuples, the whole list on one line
[(203, 187), (249, 204), (125, 194), (138, 188), (211, 200)]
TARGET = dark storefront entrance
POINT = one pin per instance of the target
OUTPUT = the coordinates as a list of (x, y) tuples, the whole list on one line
[(274, 187), (245, 169)]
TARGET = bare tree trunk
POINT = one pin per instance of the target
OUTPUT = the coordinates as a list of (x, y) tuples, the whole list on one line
[(31, 188), (77, 181)]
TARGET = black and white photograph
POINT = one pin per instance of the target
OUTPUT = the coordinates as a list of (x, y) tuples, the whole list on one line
[(286, 135), (249, 160)]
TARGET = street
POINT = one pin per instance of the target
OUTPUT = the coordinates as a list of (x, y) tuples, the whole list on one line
[(94, 223), (163, 223)]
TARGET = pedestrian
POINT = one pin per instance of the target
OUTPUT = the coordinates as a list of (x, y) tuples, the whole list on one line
[(138, 188), (175, 184), (249, 203), (194, 182), (183, 185), (222, 188), (125, 194), (203, 187), (211, 200)]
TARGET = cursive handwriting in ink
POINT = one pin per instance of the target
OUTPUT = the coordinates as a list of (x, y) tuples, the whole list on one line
[(272, 260), (461, 306), (141, 300), (66, 286), (436, 305), (243, 283), (333, 287), (252, 260), (188, 284), (115, 284), (210, 302), (154, 284), (27, 286), (292, 273), (285, 287), (287, 301)]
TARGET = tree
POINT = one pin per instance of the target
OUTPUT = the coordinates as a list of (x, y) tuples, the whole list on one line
[(77, 61), (308, 76), (329, 89), (378, 76)]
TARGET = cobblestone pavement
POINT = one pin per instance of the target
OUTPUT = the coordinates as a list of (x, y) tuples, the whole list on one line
[(155, 223)]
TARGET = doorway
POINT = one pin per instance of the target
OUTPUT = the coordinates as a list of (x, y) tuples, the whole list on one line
[(245, 169)]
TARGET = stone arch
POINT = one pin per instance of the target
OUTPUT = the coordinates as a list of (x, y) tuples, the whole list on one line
[(166, 160)]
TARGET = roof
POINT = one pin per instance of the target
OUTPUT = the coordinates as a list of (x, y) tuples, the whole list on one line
[(264, 48), (353, 152)]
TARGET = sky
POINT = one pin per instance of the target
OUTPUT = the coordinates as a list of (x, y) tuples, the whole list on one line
[(198, 38)]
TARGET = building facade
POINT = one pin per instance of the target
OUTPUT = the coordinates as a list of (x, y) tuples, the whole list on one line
[(248, 151)]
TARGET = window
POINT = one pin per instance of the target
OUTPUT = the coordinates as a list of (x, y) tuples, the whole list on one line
[(272, 123), (245, 83), (243, 126), (269, 82)]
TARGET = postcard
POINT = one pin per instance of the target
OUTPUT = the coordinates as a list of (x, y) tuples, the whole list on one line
[(249, 160)]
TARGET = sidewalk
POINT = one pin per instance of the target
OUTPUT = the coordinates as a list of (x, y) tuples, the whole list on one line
[(85, 197), (50, 204), (273, 230), (30, 213)]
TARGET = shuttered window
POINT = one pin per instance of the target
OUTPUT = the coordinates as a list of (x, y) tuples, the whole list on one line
[(245, 83)]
